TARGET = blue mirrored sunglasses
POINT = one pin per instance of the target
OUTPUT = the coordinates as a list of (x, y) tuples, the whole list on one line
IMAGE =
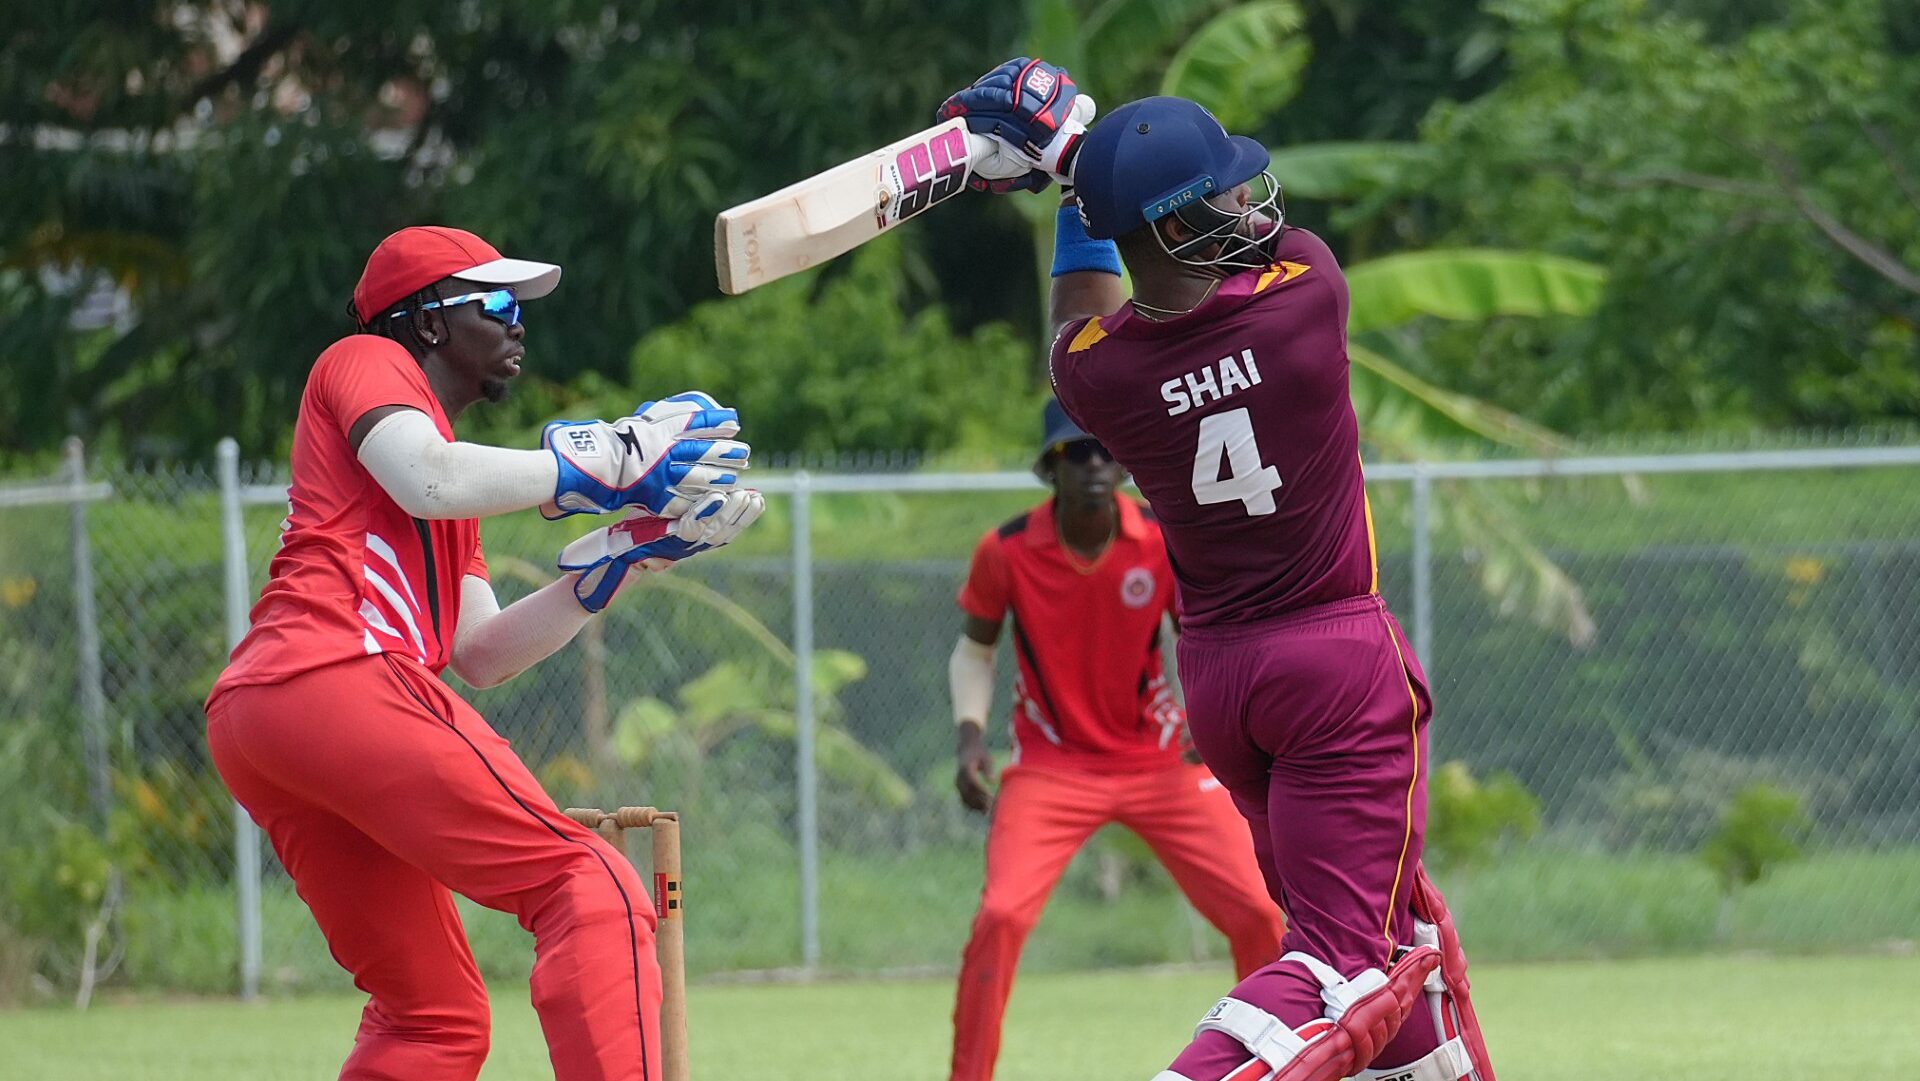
[(499, 305)]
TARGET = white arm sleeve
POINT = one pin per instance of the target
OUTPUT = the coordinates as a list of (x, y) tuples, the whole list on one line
[(492, 646), (432, 478), (970, 674)]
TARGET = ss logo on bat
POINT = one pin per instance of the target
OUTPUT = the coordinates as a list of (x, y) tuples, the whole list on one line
[(926, 173)]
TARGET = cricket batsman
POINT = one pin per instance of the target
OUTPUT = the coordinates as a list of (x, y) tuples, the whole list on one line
[(1098, 736), (382, 791), (1221, 385)]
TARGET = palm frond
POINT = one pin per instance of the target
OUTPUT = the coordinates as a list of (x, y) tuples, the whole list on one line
[(1517, 575), (1416, 413)]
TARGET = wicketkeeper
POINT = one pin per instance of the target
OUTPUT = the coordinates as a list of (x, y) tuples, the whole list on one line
[(1221, 386), (381, 790)]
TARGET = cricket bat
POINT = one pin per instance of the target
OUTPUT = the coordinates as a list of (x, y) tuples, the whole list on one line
[(831, 213)]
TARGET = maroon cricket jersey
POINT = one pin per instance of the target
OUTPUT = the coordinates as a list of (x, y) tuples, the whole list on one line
[(1235, 422)]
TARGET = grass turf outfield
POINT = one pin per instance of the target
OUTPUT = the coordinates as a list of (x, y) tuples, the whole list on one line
[(1702, 1019), (1534, 904)]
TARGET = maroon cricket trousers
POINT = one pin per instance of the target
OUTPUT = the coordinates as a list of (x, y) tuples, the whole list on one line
[(1316, 721)]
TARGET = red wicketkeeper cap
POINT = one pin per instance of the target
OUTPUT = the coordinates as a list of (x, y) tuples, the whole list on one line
[(419, 255)]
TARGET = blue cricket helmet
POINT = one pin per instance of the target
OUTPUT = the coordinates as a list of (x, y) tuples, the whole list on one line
[(1056, 427), (1149, 158)]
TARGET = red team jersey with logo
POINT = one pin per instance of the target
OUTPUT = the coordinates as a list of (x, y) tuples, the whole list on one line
[(1091, 693), (355, 575), (1236, 425)]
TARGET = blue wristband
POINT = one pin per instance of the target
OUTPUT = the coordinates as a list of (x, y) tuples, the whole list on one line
[(1075, 251)]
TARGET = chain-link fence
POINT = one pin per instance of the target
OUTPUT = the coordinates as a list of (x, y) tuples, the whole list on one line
[(1678, 708)]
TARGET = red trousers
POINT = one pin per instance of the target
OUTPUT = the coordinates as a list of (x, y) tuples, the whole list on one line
[(382, 791), (1041, 817)]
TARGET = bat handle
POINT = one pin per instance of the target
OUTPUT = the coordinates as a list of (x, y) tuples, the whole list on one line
[(979, 146)]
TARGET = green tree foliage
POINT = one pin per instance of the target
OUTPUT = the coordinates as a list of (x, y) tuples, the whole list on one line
[(1244, 62), (203, 180), (738, 699), (1377, 66), (825, 363), (228, 167), (1760, 828), (1298, 74), (1749, 175), (1468, 818)]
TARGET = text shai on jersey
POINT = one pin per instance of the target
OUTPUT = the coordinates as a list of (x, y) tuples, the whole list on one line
[(1211, 383)]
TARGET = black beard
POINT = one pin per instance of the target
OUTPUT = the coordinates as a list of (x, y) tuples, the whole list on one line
[(494, 390)]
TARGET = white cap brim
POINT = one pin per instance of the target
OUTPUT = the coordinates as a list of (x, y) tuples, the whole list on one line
[(530, 280)]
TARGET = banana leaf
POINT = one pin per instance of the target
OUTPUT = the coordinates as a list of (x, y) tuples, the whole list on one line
[(1243, 64), (1469, 284), (1341, 170)]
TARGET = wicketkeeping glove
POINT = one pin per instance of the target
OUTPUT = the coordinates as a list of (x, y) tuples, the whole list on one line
[(661, 459), (1035, 113), (603, 557)]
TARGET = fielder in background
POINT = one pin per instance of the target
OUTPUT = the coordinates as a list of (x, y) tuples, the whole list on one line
[(381, 790), (1098, 736), (1222, 387)]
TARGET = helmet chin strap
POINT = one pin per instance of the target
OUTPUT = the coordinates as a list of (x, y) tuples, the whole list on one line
[(1235, 243)]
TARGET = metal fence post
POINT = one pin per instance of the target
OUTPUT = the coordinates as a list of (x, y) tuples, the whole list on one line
[(1423, 567), (808, 811), (246, 836), (93, 712), (86, 621)]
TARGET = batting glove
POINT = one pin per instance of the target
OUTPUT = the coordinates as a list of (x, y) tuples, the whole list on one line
[(1035, 114), (603, 557), (660, 460)]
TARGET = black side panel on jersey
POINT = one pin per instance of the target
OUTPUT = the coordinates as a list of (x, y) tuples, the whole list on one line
[(433, 576), (1039, 678), (1147, 667), (1013, 527)]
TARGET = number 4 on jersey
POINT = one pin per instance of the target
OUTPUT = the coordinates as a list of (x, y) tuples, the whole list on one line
[(1230, 435)]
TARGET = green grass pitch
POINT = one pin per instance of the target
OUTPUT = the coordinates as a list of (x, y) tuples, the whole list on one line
[(1709, 1019)]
